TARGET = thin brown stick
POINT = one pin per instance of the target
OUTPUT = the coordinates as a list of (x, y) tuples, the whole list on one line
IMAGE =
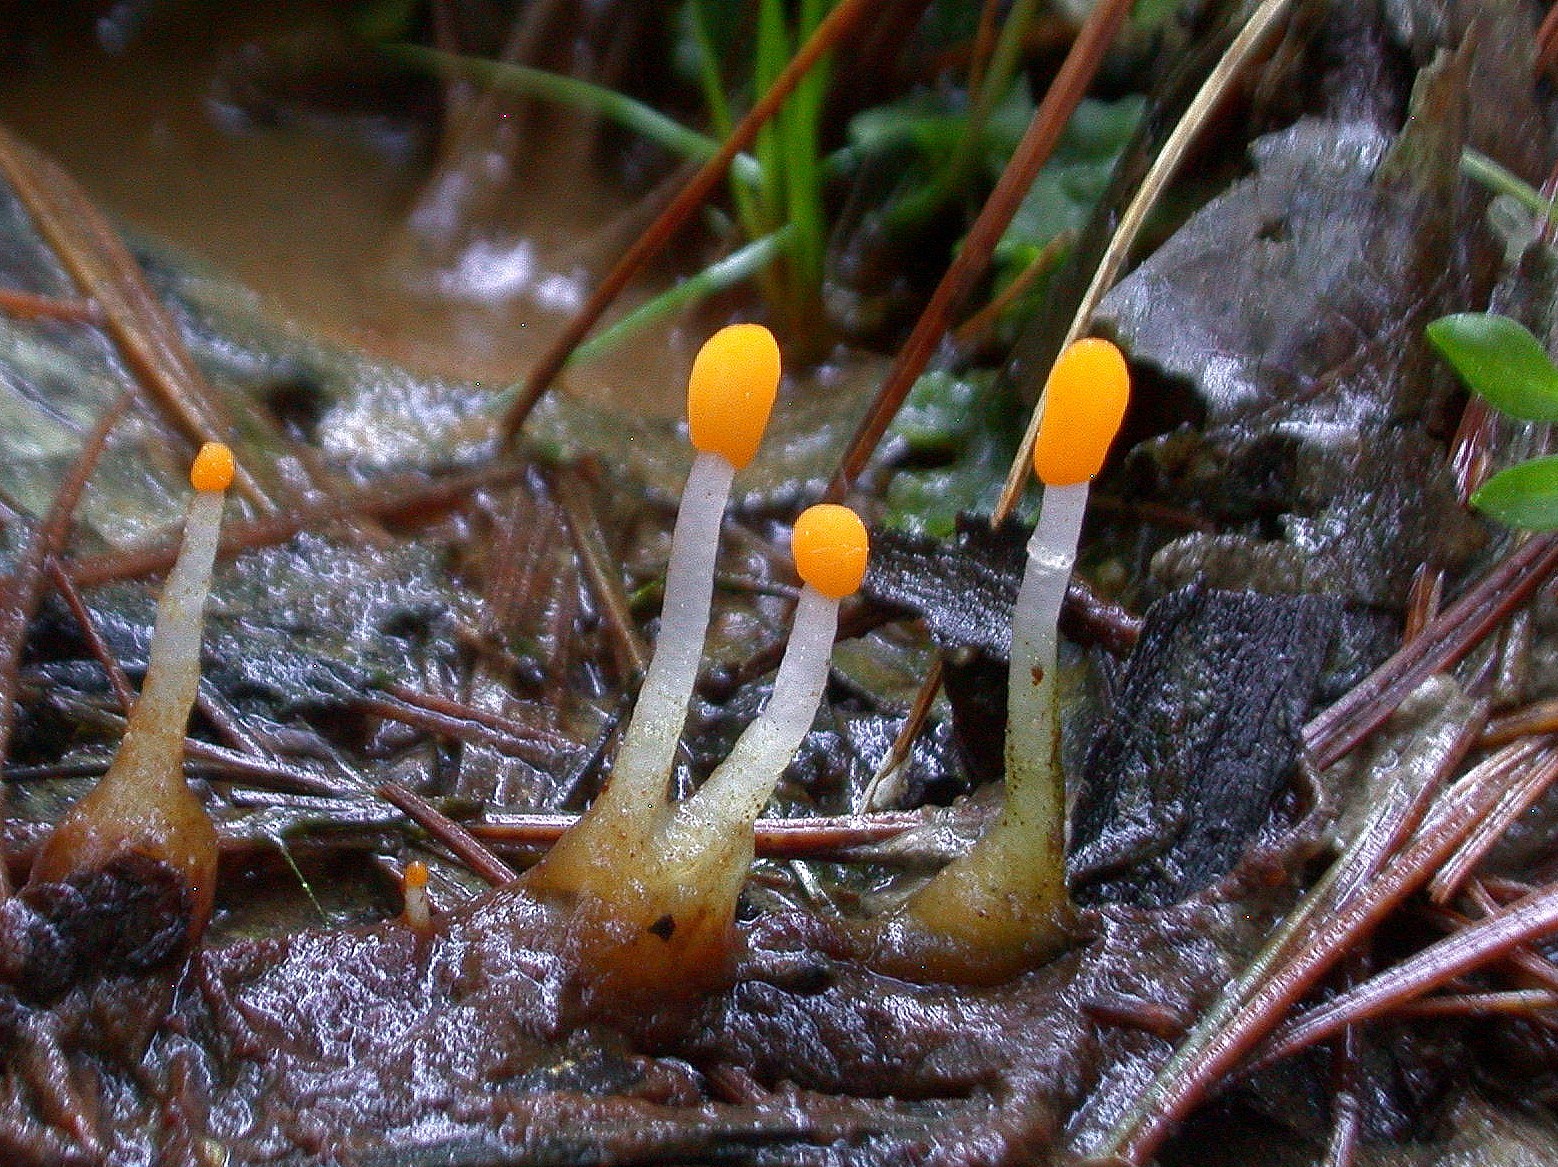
[(1547, 41), (834, 29), (984, 43), (429, 719), (873, 795), (1443, 642), (973, 258), (808, 838), (507, 727), (31, 306), (974, 329), (1327, 940), (590, 543), (1449, 878), (1538, 717), (106, 273), (46, 542), (1526, 965), (124, 693), (466, 847), (1515, 1002), (1531, 919)]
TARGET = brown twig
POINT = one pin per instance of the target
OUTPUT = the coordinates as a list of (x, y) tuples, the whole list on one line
[(47, 541), (31, 306), (399, 498), (1538, 717), (123, 692), (518, 732), (1443, 642), (1490, 938), (1038, 142), (836, 27), (462, 843), (455, 724), (1515, 1002), (106, 273), (809, 838), (981, 323), (606, 583), (1457, 869), (877, 792), (1547, 41)]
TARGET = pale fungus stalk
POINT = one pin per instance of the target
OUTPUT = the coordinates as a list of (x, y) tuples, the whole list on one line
[(142, 807), (730, 394), (1004, 905), (663, 925), (829, 544)]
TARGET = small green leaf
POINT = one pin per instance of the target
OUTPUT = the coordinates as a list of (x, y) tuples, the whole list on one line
[(1501, 361), (1523, 496)]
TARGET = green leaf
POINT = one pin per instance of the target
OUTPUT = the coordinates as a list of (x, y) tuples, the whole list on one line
[(1523, 496), (1500, 361), (959, 434)]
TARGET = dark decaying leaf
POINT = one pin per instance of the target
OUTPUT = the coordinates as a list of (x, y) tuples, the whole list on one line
[(1293, 308), (1204, 731)]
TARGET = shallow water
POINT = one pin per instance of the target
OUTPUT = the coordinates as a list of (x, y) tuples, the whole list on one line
[(315, 212)]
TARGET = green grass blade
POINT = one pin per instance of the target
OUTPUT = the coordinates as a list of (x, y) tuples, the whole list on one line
[(577, 94), (1490, 174), (801, 121), (709, 79), (713, 86), (731, 270)]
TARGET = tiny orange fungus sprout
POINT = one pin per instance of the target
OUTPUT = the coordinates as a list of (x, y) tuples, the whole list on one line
[(142, 807), (417, 913), (1004, 905)]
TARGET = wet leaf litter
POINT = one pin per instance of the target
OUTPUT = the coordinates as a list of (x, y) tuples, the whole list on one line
[(340, 661)]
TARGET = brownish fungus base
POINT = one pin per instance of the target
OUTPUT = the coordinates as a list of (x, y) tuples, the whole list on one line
[(641, 925)]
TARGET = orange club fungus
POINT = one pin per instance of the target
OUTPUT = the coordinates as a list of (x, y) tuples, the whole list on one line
[(1004, 905), (142, 812), (650, 885)]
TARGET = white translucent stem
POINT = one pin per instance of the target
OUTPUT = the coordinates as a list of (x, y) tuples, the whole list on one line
[(737, 792), (1034, 790), (643, 766), (173, 670)]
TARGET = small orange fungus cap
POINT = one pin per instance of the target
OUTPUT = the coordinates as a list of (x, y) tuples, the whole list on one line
[(415, 875), (735, 379), (1084, 403), (830, 546), (213, 468)]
